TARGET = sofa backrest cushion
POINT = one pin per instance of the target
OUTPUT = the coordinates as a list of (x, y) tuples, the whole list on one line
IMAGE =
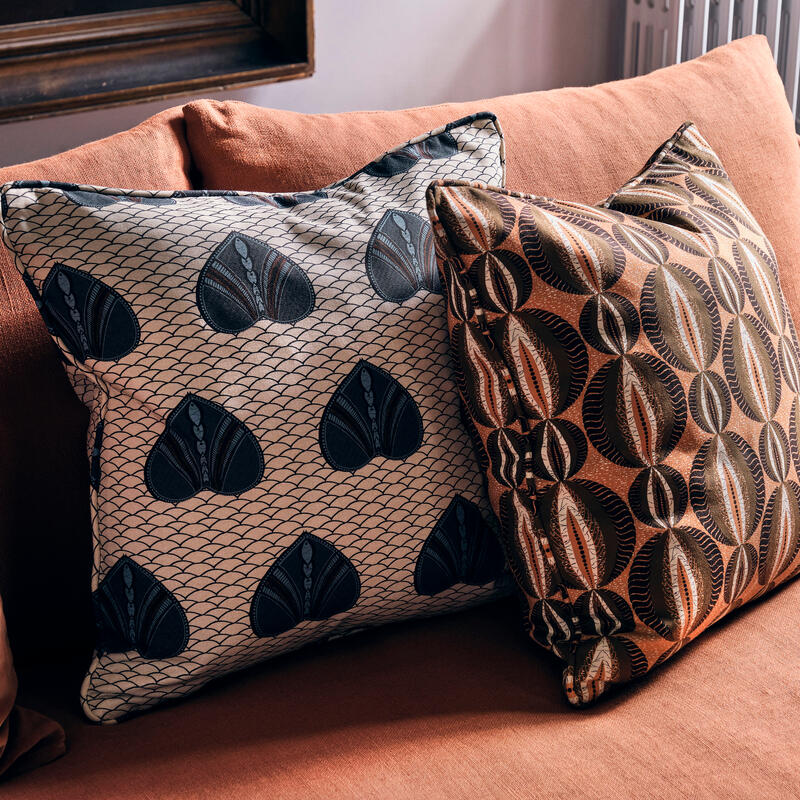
[(45, 555), (581, 143)]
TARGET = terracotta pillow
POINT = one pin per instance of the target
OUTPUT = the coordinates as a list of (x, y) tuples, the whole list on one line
[(581, 143), (631, 376), (45, 548), (275, 448), (27, 739)]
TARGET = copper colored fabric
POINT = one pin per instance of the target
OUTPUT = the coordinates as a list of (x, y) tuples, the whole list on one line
[(458, 707), (578, 143), (590, 348), (45, 554), (27, 739)]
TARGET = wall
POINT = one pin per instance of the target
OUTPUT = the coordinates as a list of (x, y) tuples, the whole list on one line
[(394, 54)]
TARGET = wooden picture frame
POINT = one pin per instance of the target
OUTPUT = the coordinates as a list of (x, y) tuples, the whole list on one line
[(95, 60)]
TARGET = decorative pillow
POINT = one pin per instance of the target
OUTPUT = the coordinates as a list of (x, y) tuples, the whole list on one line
[(275, 444), (631, 376)]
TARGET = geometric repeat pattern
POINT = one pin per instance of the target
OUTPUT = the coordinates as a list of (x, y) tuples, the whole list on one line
[(276, 453), (631, 375)]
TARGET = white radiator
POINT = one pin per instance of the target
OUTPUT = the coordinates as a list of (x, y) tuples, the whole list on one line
[(663, 32)]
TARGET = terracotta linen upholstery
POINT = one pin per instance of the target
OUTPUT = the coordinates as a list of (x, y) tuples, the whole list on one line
[(581, 143), (27, 739), (455, 707), (276, 452), (632, 377), (45, 553)]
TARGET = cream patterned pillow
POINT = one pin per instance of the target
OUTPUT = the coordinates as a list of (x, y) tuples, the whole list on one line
[(275, 448)]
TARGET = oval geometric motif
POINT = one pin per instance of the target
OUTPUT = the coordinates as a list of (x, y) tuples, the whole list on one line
[(658, 496), (610, 323), (502, 280), (459, 302), (727, 488), (574, 257), (552, 625), (780, 533), (485, 393), (602, 612), (726, 285), (634, 410), (740, 571), (507, 461), (790, 364), (751, 367), (522, 531), (547, 358), (675, 581), (474, 225), (773, 449), (640, 243), (680, 317), (599, 661), (710, 402), (558, 449), (590, 530), (761, 281)]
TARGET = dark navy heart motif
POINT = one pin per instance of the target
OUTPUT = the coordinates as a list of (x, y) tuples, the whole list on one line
[(92, 319), (203, 446), (310, 580), (461, 548), (400, 257), (370, 414), (134, 611), (246, 280)]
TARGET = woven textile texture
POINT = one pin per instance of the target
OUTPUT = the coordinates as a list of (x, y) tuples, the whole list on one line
[(275, 450), (631, 376)]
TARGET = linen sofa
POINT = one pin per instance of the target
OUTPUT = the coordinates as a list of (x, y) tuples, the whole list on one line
[(457, 706)]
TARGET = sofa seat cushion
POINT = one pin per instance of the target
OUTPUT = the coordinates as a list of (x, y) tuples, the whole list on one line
[(45, 546), (436, 708)]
